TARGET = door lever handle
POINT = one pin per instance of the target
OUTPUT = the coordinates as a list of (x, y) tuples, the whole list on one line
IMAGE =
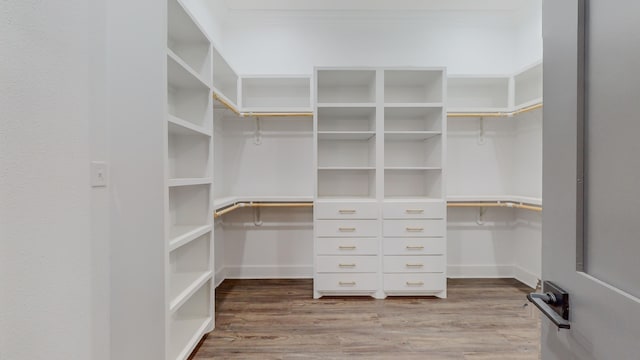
[(553, 303)]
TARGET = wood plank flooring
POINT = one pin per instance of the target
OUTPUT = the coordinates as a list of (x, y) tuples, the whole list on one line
[(482, 319)]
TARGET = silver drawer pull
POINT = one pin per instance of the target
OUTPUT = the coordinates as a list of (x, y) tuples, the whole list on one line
[(347, 265), (409, 247), (414, 211), (415, 229), (347, 211), (415, 283), (347, 229), (347, 283), (347, 247), (415, 265)]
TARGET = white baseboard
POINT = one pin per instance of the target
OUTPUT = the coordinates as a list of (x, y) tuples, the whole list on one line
[(220, 275), (480, 271), (269, 272), (525, 276)]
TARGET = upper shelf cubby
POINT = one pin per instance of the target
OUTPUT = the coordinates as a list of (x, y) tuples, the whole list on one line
[(262, 93), (528, 86), (225, 79), (188, 41), (346, 86), (413, 86), (472, 93), (188, 96), (347, 119)]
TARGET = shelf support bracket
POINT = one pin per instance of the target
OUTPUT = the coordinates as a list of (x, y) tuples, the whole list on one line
[(481, 139), (480, 218), (257, 216), (258, 135)]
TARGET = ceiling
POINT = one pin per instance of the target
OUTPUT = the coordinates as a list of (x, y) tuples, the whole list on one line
[(422, 5)]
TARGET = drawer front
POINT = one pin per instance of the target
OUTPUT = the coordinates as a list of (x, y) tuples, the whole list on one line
[(414, 228), (414, 246), (346, 246), (415, 283), (346, 228), (346, 264), (414, 264), (345, 283), (414, 210), (347, 210)]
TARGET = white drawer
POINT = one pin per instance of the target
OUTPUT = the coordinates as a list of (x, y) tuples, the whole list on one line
[(414, 228), (414, 283), (345, 283), (414, 246), (346, 246), (346, 210), (414, 264), (414, 210), (346, 264), (346, 228)]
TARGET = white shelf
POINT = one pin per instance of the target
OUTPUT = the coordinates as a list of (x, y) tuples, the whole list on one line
[(182, 235), (413, 86), (473, 93), (528, 85), (410, 135), (274, 93), (182, 76), (189, 182), (412, 168), (181, 127), (225, 79), (322, 168), (435, 105), (341, 199), (346, 135), (346, 86), (190, 321), (418, 199), (412, 183), (230, 200), (189, 206), (187, 40), (413, 119), (184, 285), (350, 150), (495, 198), (188, 97), (347, 105), (347, 119)]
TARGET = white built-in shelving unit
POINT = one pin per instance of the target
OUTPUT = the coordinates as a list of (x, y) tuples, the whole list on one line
[(380, 150), (189, 171), (225, 78), (528, 86)]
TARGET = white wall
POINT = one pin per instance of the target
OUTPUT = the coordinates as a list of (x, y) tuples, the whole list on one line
[(294, 43), (211, 15), (52, 270)]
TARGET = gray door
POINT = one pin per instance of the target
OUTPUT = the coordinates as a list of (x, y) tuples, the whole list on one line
[(591, 181)]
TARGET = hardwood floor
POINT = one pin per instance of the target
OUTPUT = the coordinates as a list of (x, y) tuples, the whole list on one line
[(278, 319)]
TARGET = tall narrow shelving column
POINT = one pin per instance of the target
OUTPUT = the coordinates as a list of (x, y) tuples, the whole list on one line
[(346, 209), (414, 208), (189, 196)]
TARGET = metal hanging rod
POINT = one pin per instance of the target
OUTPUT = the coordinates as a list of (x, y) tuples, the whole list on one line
[(496, 114), (250, 204), (231, 107), (506, 204)]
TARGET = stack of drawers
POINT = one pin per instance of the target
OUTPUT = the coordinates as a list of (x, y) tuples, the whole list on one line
[(414, 248), (346, 248)]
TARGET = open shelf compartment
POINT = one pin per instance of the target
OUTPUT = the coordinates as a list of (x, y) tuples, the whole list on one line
[(190, 322), (188, 97), (411, 184), (347, 153), (189, 266), (189, 155), (189, 207), (347, 184), (413, 86), (347, 119), (187, 40), (528, 86), (346, 86), (225, 79), (414, 152), (413, 119), (478, 93), (269, 93)]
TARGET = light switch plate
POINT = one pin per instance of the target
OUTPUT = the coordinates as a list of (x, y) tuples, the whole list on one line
[(98, 174)]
